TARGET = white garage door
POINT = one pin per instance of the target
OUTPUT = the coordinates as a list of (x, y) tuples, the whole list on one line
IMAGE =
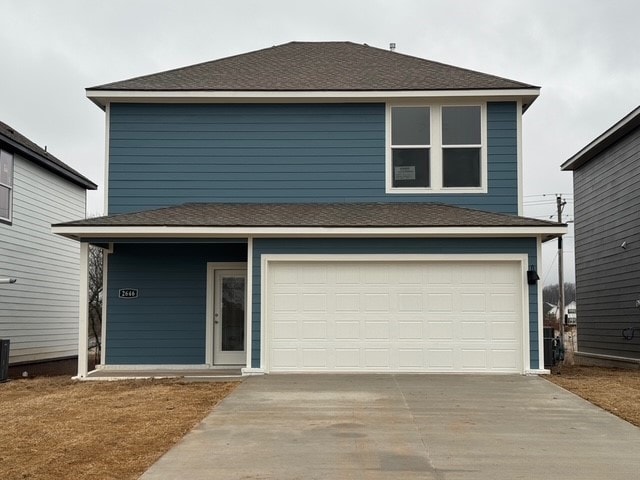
[(394, 316)]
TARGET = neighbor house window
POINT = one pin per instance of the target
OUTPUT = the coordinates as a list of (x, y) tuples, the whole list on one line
[(6, 185), (436, 148)]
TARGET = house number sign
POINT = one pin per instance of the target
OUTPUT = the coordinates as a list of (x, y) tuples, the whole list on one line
[(128, 293)]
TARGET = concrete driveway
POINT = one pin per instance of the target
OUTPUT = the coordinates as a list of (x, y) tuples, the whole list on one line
[(404, 427)]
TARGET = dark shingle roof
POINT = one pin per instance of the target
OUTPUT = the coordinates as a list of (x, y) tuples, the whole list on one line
[(317, 66), (328, 215), (15, 141), (626, 125)]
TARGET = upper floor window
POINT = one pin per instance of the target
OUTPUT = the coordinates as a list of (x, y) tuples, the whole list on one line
[(6, 185), (436, 149)]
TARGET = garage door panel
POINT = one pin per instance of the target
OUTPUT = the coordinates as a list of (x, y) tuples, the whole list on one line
[(409, 302), (372, 275), (377, 358), (440, 330), (376, 302), (440, 359), (285, 330), (284, 358), (376, 330), (345, 330), (474, 359), (501, 276), (347, 358), (350, 316), (474, 331), (503, 302), (347, 302), (439, 274), (439, 302), (286, 275), (315, 358), (473, 302), (285, 302), (504, 330), (410, 330), (506, 360), (313, 302)]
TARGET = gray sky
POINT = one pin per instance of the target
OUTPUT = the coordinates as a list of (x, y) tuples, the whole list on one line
[(584, 54)]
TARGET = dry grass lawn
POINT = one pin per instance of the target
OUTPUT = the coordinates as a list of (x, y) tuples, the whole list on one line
[(615, 390), (56, 428)]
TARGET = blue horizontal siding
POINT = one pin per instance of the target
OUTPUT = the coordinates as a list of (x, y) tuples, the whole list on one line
[(162, 155), (166, 323), (263, 246)]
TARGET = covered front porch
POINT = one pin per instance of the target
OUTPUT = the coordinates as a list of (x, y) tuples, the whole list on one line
[(171, 308)]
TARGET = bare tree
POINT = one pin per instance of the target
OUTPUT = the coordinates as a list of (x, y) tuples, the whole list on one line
[(95, 299), (551, 293)]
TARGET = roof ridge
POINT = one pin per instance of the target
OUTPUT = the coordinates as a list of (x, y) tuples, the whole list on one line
[(291, 68)]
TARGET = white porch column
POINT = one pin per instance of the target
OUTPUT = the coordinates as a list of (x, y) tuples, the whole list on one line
[(249, 301), (83, 327)]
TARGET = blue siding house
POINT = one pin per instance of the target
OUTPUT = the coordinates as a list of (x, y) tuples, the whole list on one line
[(317, 207)]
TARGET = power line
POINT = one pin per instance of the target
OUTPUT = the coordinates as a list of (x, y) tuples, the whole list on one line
[(544, 279), (547, 194)]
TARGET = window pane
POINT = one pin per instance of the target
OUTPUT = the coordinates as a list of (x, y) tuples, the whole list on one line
[(410, 126), (233, 292), (411, 167), (461, 167), (5, 201), (461, 126), (6, 168)]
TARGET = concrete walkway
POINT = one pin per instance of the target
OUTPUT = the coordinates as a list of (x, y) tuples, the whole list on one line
[(404, 427)]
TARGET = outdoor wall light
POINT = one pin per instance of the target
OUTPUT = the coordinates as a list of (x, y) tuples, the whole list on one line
[(532, 276)]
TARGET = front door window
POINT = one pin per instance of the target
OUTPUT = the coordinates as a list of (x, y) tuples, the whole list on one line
[(229, 317)]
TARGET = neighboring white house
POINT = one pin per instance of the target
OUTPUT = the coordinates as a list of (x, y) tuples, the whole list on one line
[(569, 311), (39, 312)]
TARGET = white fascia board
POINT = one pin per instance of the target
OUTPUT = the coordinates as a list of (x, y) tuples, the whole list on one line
[(102, 97), (78, 232)]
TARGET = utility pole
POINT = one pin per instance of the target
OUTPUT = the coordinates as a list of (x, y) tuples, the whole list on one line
[(560, 204)]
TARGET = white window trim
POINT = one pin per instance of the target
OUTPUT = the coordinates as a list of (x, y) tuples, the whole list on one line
[(435, 151), (9, 219)]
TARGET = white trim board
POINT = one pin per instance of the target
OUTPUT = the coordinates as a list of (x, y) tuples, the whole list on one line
[(102, 97), (232, 232), (522, 259), (107, 137)]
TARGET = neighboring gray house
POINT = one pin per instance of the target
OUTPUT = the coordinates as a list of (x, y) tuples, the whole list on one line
[(606, 176), (38, 313)]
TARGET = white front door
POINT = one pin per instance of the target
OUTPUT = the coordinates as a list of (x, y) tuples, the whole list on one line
[(229, 317)]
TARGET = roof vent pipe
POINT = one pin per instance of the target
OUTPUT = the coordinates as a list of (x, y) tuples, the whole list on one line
[(392, 46)]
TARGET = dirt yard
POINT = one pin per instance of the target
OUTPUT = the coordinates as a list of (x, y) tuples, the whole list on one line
[(56, 428), (615, 390)]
